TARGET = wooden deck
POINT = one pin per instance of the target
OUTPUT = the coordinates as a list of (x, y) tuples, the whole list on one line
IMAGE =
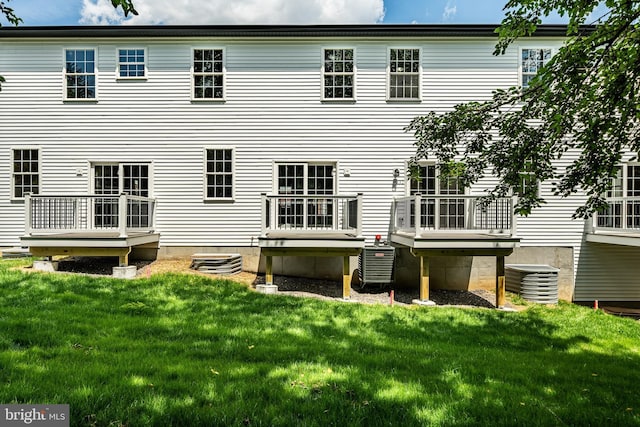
[(316, 243), (89, 244)]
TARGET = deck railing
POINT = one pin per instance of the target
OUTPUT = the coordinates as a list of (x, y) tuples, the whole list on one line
[(89, 213), (310, 214), (621, 215), (453, 213)]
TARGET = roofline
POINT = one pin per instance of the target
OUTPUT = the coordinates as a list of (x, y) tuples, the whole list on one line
[(284, 31)]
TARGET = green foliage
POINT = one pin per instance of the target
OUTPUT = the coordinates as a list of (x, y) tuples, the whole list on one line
[(205, 352), (8, 13), (585, 99)]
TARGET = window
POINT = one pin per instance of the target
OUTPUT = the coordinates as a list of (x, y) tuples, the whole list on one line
[(532, 61), (80, 74), (443, 210), (131, 63), (527, 180), (338, 74), (404, 74), (305, 179), (25, 172), (623, 210), (219, 173), (208, 74), (112, 179)]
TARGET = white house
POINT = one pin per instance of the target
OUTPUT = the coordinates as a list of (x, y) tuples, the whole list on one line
[(280, 141)]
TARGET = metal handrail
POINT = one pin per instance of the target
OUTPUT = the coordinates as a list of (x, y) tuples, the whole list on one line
[(311, 213), (453, 213), (46, 214)]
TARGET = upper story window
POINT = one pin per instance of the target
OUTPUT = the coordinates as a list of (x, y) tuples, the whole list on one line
[(338, 74), (404, 74), (80, 74), (208, 74), (131, 63), (219, 173), (25, 172), (532, 60)]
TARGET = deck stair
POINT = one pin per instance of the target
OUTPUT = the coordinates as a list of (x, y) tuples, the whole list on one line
[(224, 264)]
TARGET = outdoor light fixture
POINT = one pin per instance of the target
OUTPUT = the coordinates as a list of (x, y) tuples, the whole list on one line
[(396, 173)]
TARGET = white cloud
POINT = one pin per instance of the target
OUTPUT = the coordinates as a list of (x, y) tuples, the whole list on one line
[(187, 12), (450, 9)]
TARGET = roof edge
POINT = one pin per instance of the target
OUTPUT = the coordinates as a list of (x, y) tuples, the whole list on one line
[(363, 30)]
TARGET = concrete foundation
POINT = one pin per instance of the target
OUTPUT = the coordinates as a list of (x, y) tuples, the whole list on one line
[(267, 289), (47, 266), (128, 272)]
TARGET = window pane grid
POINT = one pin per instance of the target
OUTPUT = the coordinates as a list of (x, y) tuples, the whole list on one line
[(338, 74), (404, 74), (208, 72), (532, 61), (26, 173), (449, 212), (80, 77), (131, 62), (219, 174)]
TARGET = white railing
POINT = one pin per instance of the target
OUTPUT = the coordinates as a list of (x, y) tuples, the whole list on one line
[(453, 213), (321, 213), (89, 213), (621, 215)]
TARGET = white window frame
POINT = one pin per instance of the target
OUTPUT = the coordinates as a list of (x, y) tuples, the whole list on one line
[(13, 172), (523, 176), (64, 73), (419, 74), (305, 164), (232, 173), (521, 72), (437, 181), (121, 165), (213, 73), (324, 73), (119, 64)]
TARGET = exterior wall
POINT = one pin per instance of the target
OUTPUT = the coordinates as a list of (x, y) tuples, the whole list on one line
[(272, 112), (479, 272)]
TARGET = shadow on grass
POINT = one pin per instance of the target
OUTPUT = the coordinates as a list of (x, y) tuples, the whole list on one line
[(187, 350)]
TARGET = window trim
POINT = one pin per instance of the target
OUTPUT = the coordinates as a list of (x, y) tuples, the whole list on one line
[(306, 164), (192, 74), (118, 63), (354, 73), (420, 75), (64, 73), (520, 68), (437, 181), (205, 174), (121, 164), (13, 173)]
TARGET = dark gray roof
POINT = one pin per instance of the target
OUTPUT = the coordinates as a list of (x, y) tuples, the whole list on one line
[(241, 31)]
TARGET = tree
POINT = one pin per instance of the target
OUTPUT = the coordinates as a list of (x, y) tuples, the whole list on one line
[(584, 100), (12, 18)]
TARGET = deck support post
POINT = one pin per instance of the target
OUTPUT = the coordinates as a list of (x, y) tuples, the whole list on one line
[(424, 278), (346, 278), (269, 270), (500, 282)]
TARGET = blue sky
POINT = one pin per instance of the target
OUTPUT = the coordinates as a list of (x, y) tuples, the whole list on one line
[(75, 12)]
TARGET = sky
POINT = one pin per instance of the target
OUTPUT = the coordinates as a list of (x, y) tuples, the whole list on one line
[(174, 12)]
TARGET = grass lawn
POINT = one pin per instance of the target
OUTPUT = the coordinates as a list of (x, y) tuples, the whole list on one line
[(186, 350)]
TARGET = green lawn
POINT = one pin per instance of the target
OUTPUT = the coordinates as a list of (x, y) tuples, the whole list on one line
[(186, 350)]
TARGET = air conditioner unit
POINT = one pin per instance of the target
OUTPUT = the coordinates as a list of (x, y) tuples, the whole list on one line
[(375, 265)]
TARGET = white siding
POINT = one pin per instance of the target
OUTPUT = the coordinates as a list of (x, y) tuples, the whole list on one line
[(273, 112)]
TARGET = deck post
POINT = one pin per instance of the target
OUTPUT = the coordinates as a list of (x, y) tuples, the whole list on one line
[(269, 270), (122, 215), (27, 214), (359, 216), (500, 285), (417, 219), (346, 278), (424, 278), (263, 218)]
